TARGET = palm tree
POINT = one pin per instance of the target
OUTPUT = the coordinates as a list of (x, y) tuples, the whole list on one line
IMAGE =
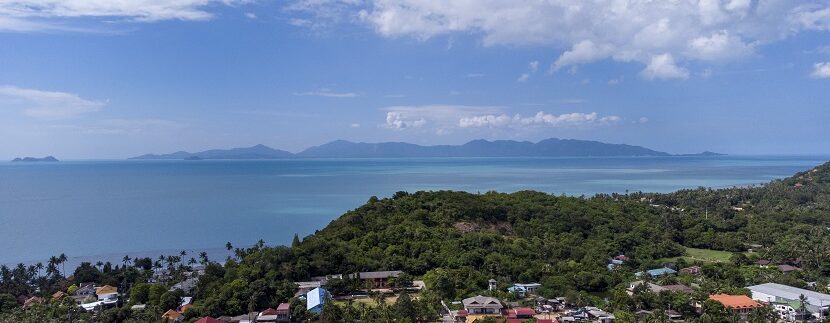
[(802, 300), (52, 266), (228, 246), (203, 258), (62, 260), (39, 267), (126, 260)]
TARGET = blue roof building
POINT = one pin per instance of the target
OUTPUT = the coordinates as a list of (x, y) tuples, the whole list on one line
[(654, 273), (315, 299)]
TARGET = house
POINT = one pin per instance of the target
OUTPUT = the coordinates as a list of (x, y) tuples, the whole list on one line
[(491, 284), (524, 289), (772, 293), (693, 270), (738, 304), (32, 301), (315, 299), (244, 318), (378, 279), (654, 288), (172, 316), (791, 311), (186, 286), (208, 319), (482, 305), (84, 291), (284, 312), (679, 288), (787, 268), (763, 263), (520, 313), (107, 294), (658, 272), (58, 295), (269, 315), (599, 315)]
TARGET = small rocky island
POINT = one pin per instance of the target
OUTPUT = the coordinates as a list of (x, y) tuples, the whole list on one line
[(33, 159)]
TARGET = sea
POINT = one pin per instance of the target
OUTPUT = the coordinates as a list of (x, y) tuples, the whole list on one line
[(102, 210)]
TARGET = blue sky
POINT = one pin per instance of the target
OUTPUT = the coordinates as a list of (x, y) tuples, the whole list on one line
[(98, 79)]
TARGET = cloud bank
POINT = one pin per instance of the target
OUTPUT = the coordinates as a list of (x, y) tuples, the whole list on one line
[(661, 35), (47, 104)]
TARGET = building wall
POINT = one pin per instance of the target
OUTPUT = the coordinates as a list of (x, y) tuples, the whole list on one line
[(758, 296)]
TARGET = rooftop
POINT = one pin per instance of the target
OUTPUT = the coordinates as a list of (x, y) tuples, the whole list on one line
[(791, 293), (735, 301), (481, 302), (380, 274)]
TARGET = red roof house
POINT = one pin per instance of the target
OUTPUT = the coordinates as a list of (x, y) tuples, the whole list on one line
[(208, 319)]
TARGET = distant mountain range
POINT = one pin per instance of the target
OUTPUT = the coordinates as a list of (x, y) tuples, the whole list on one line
[(477, 148), (34, 159)]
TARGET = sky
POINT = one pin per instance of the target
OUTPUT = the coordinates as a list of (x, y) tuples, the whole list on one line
[(100, 79)]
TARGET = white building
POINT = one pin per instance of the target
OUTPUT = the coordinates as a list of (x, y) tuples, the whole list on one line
[(771, 293)]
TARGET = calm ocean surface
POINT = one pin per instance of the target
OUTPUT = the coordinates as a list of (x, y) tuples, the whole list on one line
[(91, 209)]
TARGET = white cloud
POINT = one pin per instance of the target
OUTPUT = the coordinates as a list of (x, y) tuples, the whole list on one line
[(534, 66), (354, 125), (397, 120), (592, 30), (437, 116), (576, 119), (663, 67), (821, 70), (583, 52), (36, 15), (250, 15), (47, 104), (474, 75), (523, 78), (719, 46), (324, 92)]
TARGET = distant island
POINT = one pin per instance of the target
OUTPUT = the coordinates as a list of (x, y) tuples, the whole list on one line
[(33, 159), (552, 147)]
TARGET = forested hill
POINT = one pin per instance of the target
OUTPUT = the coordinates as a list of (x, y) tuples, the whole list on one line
[(458, 240), (767, 215)]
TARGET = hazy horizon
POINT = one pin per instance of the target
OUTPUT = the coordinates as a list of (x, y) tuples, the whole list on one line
[(91, 80)]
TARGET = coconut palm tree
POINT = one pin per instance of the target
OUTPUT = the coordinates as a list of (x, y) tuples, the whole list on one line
[(62, 260)]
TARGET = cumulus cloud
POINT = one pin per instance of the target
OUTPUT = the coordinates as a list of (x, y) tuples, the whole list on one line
[(593, 30), (36, 15), (523, 78), (583, 52), (397, 120), (47, 104), (576, 119), (663, 67), (324, 92), (437, 116), (821, 70)]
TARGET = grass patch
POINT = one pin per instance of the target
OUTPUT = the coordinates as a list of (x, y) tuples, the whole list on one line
[(704, 255)]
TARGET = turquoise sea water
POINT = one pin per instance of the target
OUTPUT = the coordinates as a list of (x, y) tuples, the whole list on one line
[(90, 208)]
